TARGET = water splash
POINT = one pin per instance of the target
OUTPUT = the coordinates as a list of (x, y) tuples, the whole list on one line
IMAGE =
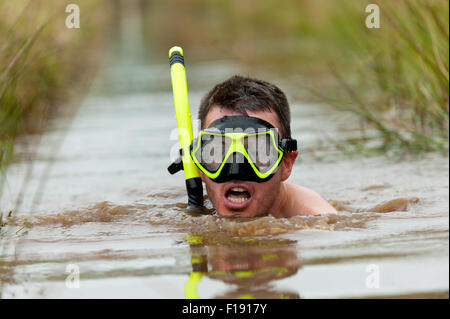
[(175, 216)]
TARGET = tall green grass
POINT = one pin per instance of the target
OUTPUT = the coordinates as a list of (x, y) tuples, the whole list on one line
[(40, 61), (395, 77)]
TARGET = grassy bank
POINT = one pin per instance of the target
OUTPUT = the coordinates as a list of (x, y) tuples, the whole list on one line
[(41, 61), (395, 77)]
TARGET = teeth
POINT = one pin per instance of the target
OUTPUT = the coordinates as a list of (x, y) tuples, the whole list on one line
[(237, 200)]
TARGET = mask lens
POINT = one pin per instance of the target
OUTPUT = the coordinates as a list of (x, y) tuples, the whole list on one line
[(212, 150), (262, 151)]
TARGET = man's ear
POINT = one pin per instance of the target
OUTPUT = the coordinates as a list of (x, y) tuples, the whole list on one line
[(202, 175), (288, 163)]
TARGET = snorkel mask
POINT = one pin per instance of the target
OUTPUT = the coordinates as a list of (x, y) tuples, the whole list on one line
[(240, 148)]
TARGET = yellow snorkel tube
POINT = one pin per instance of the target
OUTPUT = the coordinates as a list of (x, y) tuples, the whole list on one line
[(194, 185), (199, 262)]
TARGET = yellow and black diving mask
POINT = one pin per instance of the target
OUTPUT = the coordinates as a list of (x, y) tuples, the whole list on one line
[(240, 148)]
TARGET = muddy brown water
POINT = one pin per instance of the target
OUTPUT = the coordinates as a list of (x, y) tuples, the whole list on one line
[(97, 198)]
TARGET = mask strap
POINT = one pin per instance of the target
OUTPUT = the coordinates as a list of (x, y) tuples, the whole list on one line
[(288, 145)]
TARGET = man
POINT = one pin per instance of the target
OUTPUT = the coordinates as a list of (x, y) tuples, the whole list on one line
[(241, 119)]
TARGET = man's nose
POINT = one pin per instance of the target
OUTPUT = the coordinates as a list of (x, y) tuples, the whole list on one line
[(236, 165)]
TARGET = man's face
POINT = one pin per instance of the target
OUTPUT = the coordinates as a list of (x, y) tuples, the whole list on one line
[(258, 198)]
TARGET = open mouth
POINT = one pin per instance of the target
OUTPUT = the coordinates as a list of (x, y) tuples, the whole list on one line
[(237, 196)]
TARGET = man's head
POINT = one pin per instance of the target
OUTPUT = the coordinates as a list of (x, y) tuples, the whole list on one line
[(243, 95), (256, 98)]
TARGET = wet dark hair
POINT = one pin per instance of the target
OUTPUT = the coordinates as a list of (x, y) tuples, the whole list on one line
[(242, 94)]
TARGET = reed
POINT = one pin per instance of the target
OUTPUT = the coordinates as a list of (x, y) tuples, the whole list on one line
[(40, 61), (398, 75)]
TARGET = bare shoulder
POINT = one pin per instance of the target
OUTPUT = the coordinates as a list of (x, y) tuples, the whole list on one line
[(305, 201)]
